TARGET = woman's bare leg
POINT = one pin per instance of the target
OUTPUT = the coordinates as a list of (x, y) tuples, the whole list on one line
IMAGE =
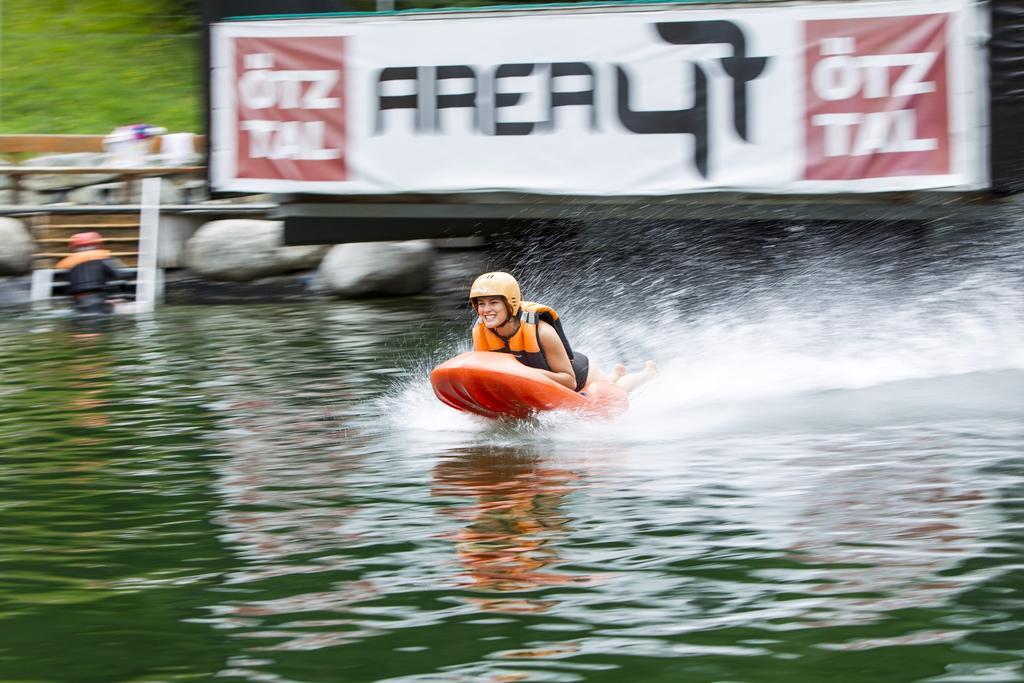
[(631, 381)]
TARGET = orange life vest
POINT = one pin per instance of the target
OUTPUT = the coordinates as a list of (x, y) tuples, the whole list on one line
[(525, 343), (80, 257), (90, 272)]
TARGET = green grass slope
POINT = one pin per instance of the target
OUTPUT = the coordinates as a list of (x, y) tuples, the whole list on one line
[(88, 66)]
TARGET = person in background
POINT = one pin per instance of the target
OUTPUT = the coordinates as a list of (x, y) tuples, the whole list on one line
[(91, 273)]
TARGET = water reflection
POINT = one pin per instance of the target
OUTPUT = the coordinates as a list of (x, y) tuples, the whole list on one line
[(287, 511), (89, 376), (512, 529), (283, 484), (891, 530)]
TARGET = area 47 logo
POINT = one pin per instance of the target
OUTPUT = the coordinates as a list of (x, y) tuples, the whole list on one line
[(877, 98)]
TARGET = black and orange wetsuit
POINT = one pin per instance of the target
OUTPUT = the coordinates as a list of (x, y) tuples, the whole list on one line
[(89, 273)]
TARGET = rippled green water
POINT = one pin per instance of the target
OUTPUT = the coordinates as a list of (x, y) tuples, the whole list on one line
[(271, 493)]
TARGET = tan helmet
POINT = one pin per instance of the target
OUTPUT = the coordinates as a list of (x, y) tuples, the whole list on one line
[(497, 284)]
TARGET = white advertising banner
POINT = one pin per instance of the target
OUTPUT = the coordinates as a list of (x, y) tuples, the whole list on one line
[(845, 97)]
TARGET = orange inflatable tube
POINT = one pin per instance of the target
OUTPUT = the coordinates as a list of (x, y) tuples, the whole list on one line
[(496, 385)]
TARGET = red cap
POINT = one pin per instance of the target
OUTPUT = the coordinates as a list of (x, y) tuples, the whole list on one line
[(85, 239)]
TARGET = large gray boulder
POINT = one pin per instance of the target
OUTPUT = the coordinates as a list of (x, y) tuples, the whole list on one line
[(378, 268), (15, 247), (239, 250)]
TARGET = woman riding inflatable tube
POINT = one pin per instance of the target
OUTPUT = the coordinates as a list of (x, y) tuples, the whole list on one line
[(533, 333)]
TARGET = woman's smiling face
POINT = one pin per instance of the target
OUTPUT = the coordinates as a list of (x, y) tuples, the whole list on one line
[(493, 310)]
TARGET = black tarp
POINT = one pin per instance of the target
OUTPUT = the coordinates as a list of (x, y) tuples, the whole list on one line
[(1006, 67)]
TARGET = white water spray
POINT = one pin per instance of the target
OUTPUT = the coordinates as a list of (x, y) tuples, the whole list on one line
[(824, 327)]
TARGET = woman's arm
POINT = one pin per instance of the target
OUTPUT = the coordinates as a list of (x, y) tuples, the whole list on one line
[(554, 353)]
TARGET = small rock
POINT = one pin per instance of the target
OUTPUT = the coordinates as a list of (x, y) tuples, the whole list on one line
[(102, 193), (48, 183), (15, 291)]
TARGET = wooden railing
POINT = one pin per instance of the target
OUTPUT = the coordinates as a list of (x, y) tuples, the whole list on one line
[(64, 144)]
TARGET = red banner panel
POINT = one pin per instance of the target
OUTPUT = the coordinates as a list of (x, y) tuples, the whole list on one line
[(877, 97), (291, 108)]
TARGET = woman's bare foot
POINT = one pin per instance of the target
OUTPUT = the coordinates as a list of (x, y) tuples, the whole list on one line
[(633, 380), (618, 372)]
